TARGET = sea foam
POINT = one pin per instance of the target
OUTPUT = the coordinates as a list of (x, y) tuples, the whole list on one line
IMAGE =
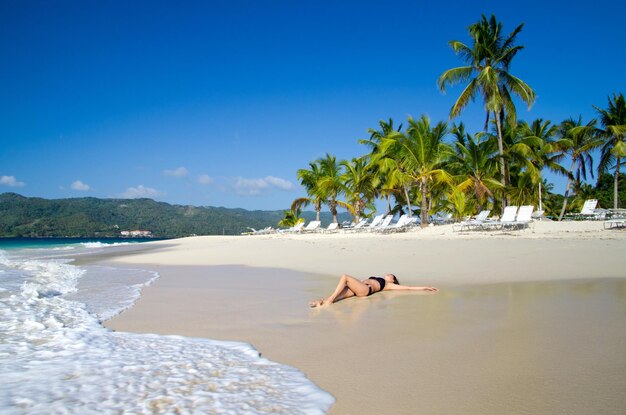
[(55, 356)]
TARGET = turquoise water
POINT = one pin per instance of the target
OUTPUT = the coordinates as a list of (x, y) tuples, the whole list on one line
[(43, 243)]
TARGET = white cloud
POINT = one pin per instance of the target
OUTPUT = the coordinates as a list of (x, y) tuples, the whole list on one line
[(140, 192), (254, 187), (205, 179), (78, 185), (279, 183), (178, 172), (11, 181)]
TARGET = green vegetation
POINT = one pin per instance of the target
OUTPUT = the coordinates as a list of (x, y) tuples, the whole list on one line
[(613, 120), (90, 217), (439, 167)]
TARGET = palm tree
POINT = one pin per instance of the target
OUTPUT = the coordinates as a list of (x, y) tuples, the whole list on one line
[(474, 165), (421, 154), (383, 164), (360, 185), (613, 120), (487, 73), (577, 141), (309, 178), (376, 136), (523, 192), (462, 206), (330, 183), (543, 151)]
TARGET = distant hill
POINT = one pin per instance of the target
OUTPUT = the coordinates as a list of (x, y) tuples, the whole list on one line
[(92, 217)]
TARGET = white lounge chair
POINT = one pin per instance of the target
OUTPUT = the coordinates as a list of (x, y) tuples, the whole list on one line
[(399, 224), (332, 227), (384, 224), (538, 215), (296, 228), (589, 211), (264, 231), (312, 226), (359, 226), (411, 222), (403, 224), (362, 223), (476, 222), (375, 222), (507, 219), (616, 218), (523, 218), (441, 218)]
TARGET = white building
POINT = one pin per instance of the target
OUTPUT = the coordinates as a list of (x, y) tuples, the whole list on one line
[(136, 234)]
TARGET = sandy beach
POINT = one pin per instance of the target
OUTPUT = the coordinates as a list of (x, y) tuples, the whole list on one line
[(526, 322)]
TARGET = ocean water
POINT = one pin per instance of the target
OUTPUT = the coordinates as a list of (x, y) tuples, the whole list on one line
[(56, 357)]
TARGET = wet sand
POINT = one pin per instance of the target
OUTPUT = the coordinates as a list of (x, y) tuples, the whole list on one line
[(521, 325)]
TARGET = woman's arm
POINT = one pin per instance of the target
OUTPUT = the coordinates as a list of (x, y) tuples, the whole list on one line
[(408, 287)]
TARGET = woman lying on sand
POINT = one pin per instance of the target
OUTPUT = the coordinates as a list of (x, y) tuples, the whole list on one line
[(350, 287)]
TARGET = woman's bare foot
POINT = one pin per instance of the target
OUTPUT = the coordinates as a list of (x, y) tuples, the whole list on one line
[(316, 303)]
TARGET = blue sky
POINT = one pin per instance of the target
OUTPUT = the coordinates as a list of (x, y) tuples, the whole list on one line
[(220, 103)]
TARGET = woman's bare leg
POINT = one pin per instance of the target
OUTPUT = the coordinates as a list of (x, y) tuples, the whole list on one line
[(348, 287), (345, 293)]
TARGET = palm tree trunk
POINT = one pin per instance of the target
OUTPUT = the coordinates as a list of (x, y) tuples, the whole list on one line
[(424, 212), (333, 210), (616, 185), (357, 211), (566, 191), (540, 207), (487, 121), (501, 154), (388, 204), (408, 200)]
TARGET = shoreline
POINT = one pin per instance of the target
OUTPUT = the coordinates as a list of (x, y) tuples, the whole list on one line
[(254, 289)]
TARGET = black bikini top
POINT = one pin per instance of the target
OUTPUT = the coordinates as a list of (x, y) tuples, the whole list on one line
[(380, 280)]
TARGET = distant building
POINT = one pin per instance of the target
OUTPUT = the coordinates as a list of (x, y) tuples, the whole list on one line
[(136, 234)]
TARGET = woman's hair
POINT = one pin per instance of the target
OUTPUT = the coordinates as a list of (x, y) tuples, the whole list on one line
[(395, 280)]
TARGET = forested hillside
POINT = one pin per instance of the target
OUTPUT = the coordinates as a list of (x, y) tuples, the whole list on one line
[(91, 217)]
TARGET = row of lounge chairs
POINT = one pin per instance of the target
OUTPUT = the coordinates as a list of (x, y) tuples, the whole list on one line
[(512, 218), (380, 223), (613, 218), (383, 223), (589, 211)]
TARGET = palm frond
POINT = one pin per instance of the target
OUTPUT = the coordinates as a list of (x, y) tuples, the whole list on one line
[(454, 76), (465, 98)]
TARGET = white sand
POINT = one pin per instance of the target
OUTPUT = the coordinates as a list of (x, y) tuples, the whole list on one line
[(506, 334)]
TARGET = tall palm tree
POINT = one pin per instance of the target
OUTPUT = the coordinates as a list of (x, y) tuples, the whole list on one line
[(613, 120), (474, 165), (421, 155), (359, 185), (487, 74), (577, 141), (330, 183), (309, 178)]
